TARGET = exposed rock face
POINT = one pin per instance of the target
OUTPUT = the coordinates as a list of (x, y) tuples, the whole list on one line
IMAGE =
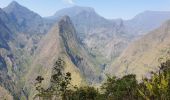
[(78, 55), (61, 41), (88, 45), (5, 33), (20, 32), (106, 39), (98, 35), (4, 36)]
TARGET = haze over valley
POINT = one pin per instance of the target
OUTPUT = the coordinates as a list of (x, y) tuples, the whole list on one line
[(91, 46)]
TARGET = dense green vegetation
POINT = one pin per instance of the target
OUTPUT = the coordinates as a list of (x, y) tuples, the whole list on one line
[(126, 88)]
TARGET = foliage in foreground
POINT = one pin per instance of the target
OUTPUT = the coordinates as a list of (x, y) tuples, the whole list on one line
[(125, 88), (158, 87)]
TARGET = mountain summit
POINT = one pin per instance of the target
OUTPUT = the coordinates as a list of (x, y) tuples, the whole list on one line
[(14, 4), (26, 20), (73, 11), (15, 8), (90, 44)]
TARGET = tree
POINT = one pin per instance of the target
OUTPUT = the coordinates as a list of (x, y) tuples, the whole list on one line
[(59, 84), (86, 93), (124, 88), (158, 86)]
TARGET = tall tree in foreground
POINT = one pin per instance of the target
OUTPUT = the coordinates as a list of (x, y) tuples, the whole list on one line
[(125, 88), (59, 84)]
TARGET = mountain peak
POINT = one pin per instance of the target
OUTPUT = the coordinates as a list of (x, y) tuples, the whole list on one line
[(88, 9), (19, 10), (65, 22), (73, 11), (65, 19), (66, 28), (14, 4)]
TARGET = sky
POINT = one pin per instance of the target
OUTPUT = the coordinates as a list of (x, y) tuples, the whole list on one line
[(112, 9)]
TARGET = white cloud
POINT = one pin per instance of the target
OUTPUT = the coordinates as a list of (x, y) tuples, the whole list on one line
[(69, 1)]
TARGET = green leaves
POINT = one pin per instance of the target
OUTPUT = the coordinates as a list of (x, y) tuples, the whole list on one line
[(60, 83), (158, 86), (125, 88), (120, 88), (85, 93), (143, 95)]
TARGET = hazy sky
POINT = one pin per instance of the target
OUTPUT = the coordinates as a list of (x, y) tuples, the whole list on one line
[(125, 9)]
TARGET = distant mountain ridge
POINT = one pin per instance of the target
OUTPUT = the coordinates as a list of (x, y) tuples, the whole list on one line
[(146, 21), (69, 11), (143, 55), (90, 44), (91, 27), (114, 35)]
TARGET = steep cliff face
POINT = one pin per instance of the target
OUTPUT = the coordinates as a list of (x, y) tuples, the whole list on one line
[(142, 55), (88, 45), (61, 41), (98, 35), (5, 32), (4, 36), (15, 50), (8, 78), (76, 52)]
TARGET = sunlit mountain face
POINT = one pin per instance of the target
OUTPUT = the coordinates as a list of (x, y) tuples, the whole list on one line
[(90, 45)]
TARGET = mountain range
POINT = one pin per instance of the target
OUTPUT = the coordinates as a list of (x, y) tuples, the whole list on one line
[(144, 54), (90, 44)]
